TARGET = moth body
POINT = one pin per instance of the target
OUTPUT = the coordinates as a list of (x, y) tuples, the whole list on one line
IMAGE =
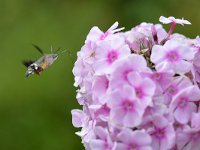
[(38, 66)]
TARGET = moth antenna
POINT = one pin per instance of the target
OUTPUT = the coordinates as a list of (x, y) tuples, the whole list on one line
[(38, 48), (56, 52), (62, 51), (51, 49)]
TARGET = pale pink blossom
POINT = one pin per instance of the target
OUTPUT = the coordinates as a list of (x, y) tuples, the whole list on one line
[(108, 52), (172, 56), (188, 138), (145, 35), (171, 19), (144, 88), (126, 109), (174, 87), (96, 34), (122, 67), (173, 22), (162, 133), (102, 141), (99, 87), (139, 140), (138, 89), (183, 104)]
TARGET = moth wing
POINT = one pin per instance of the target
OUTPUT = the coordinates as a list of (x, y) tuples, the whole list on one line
[(38, 48), (27, 63)]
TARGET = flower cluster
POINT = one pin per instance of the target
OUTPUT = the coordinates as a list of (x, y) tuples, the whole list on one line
[(139, 89)]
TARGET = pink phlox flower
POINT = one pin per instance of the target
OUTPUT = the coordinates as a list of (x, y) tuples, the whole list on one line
[(188, 138), (174, 87), (144, 88), (137, 140), (172, 57), (122, 67), (195, 121), (162, 133), (138, 89), (198, 39), (158, 108), (185, 40), (160, 79), (196, 68), (125, 109), (195, 43), (80, 72), (173, 22), (88, 125), (179, 37), (103, 140), (171, 19), (81, 119), (100, 112), (183, 104), (198, 106), (84, 94), (96, 34), (87, 53), (107, 53), (83, 97), (145, 34), (99, 89), (78, 118)]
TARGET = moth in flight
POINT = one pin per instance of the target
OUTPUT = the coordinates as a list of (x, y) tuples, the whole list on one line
[(38, 66)]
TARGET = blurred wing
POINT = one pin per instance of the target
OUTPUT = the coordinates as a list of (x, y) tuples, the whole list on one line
[(39, 49), (27, 63)]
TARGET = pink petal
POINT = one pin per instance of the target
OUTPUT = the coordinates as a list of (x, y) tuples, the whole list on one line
[(114, 99), (164, 20), (114, 26), (125, 136), (121, 146), (117, 43), (196, 144), (141, 138), (134, 78), (195, 120), (155, 144), (97, 144), (158, 53), (182, 21), (160, 121), (193, 93), (183, 115), (132, 119), (101, 132), (146, 148), (148, 86), (102, 67), (117, 115), (77, 117), (187, 53), (178, 67), (94, 34)]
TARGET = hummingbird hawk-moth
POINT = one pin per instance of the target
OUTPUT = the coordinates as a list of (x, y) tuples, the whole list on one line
[(38, 66)]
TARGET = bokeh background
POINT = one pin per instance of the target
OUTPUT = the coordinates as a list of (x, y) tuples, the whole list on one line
[(35, 112)]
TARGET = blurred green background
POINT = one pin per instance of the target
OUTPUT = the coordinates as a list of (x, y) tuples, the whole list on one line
[(35, 112)]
